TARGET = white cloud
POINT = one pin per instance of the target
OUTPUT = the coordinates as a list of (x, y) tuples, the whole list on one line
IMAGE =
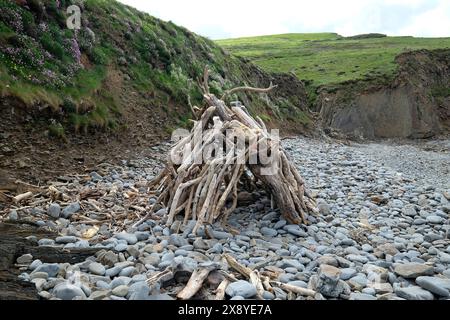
[(237, 18)]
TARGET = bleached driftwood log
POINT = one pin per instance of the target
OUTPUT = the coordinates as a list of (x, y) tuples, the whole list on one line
[(207, 190)]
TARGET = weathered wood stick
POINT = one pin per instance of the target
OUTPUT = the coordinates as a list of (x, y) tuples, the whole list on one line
[(220, 292), (232, 262), (194, 284), (22, 197), (295, 289)]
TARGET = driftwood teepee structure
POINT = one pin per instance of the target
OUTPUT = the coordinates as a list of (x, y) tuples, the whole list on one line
[(207, 190)]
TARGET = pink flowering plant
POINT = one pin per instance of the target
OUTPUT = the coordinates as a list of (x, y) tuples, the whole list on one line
[(38, 51)]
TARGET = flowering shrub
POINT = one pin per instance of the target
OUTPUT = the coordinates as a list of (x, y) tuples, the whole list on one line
[(74, 50), (11, 17)]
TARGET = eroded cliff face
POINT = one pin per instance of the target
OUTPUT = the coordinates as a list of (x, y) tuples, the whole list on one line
[(415, 104)]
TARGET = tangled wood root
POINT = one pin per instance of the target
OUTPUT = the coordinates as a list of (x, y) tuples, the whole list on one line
[(207, 190)]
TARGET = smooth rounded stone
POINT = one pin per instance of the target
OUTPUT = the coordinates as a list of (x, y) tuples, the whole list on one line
[(324, 208), (295, 230), (220, 235), (35, 264), (431, 237), (95, 176), (329, 260), (128, 237), (409, 210), (97, 269), (70, 210), (127, 272), (52, 269), (54, 210), (367, 248), (446, 273), (188, 247), (142, 236), (181, 252), (153, 259), (286, 277), (435, 219), (167, 231), (358, 282), (419, 222), (39, 275), (133, 251), (291, 263), (347, 273), (25, 259), (369, 291), (381, 287), (68, 291), (361, 296), (138, 278), (269, 232), (121, 247), (438, 286), (357, 258), (177, 240), (414, 293), (397, 204), (119, 281), (161, 212), (39, 283), (138, 291), (168, 256), (201, 244), (66, 239), (444, 258), (268, 295), (217, 248), (120, 291), (291, 270), (280, 224), (322, 249), (41, 223), (102, 285), (270, 216), (241, 288), (46, 242), (114, 271), (13, 216), (99, 295), (238, 298), (413, 270)]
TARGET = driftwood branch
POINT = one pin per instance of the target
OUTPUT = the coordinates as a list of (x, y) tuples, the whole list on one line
[(204, 176), (248, 89)]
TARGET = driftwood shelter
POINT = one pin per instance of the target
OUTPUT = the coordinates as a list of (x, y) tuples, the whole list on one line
[(226, 151)]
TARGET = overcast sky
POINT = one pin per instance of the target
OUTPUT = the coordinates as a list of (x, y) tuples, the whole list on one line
[(239, 18)]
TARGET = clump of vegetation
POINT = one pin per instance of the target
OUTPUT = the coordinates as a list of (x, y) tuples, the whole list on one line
[(56, 130)]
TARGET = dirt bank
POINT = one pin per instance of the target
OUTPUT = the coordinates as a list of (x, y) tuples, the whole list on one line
[(415, 104)]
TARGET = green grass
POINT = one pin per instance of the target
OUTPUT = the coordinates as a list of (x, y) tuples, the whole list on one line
[(327, 58)]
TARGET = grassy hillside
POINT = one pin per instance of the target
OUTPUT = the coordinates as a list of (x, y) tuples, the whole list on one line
[(83, 80), (327, 58)]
